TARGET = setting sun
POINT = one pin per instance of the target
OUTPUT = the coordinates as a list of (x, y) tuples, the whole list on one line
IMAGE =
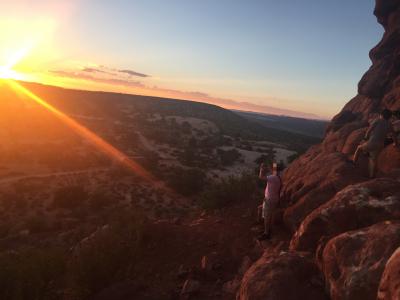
[(6, 73)]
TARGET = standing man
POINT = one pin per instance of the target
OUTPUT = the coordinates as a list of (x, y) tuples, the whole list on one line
[(375, 140), (271, 198)]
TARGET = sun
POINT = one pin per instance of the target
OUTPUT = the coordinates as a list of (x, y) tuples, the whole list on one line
[(7, 73)]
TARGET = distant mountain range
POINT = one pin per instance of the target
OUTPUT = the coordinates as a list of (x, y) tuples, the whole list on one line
[(309, 127), (263, 109)]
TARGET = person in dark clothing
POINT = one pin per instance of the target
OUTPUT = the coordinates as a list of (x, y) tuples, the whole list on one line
[(375, 140)]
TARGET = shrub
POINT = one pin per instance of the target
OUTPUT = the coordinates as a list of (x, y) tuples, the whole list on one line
[(228, 191), (70, 197), (37, 223), (99, 200), (29, 274), (292, 157), (108, 255), (187, 182), (228, 157)]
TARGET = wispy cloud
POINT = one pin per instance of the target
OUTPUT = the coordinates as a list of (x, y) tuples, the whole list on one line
[(125, 78), (112, 81), (133, 73), (94, 70), (114, 72)]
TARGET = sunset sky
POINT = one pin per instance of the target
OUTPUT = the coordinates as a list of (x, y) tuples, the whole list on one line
[(304, 56)]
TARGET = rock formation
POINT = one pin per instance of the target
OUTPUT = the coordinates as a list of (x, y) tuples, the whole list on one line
[(389, 287), (346, 222), (283, 276)]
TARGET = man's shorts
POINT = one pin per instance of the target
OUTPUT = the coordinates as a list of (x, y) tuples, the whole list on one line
[(268, 208), (372, 149)]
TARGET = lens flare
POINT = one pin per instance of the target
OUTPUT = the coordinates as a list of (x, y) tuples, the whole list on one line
[(88, 135)]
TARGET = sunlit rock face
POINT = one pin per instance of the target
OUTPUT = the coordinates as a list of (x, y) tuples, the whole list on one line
[(354, 207), (353, 262)]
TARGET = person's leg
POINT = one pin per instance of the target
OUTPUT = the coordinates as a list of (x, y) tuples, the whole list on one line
[(268, 213), (267, 216), (373, 163), (371, 167), (259, 213), (267, 224)]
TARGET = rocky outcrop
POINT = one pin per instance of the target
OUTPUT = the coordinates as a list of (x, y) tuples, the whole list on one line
[(284, 276), (354, 207), (353, 262), (348, 223), (323, 175), (316, 176), (389, 288)]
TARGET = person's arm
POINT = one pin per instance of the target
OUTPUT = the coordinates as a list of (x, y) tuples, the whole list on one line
[(262, 174), (371, 127)]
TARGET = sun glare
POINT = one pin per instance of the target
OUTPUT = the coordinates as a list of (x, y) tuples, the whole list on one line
[(6, 73), (88, 135)]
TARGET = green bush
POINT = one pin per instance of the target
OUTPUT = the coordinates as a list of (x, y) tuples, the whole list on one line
[(293, 157), (187, 182), (228, 191), (228, 157)]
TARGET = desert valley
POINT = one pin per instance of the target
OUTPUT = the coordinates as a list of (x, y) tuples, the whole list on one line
[(113, 195)]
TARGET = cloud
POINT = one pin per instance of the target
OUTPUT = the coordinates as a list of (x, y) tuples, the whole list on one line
[(133, 73), (112, 81), (110, 76), (95, 70), (115, 72)]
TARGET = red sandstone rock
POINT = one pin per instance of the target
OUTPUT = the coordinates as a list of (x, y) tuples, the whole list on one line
[(379, 88), (389, 160), (353, 262), (354, 207), (284, 276), (353, 140), (318, 182), (389, 288)]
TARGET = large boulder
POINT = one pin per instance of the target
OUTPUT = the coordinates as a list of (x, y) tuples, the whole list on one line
[(389, 161), (389, 288), (283, 276), (320, 181), (354, 207), (353, 262)]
